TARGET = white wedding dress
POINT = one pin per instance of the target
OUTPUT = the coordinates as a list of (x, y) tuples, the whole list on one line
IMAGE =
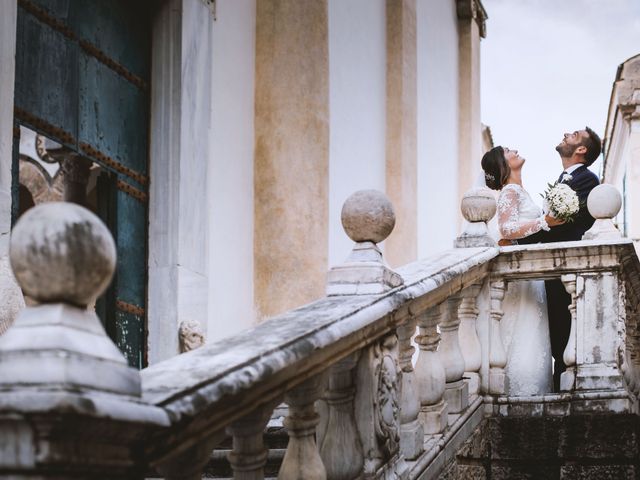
[(524, 325)]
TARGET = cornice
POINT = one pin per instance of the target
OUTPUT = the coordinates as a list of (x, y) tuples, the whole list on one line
[(473, 10)]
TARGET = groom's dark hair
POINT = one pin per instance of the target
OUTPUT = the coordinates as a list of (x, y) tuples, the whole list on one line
[(594, 146), (496, 169)]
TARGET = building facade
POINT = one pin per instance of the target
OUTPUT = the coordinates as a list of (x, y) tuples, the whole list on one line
[(225, 136), (622, 145)]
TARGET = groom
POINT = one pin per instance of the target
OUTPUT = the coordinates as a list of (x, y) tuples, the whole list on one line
[(578, 150)]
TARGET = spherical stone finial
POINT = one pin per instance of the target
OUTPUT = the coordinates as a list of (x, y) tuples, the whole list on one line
[(62, 252), (478, 205), (368, 216), (604, 201)]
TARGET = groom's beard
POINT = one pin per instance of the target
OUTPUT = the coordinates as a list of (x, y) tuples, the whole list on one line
[(565, 150)]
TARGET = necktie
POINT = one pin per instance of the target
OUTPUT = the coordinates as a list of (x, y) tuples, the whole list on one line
[(560, 177)]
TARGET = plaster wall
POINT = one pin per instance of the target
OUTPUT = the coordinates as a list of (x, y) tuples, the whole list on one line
[(357, 77), (230, 205), (438, 209)]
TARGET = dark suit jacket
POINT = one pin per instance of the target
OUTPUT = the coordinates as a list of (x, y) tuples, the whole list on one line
[(583, 181)]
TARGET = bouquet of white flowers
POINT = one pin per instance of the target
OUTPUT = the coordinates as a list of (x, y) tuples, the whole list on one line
[(561, 202)]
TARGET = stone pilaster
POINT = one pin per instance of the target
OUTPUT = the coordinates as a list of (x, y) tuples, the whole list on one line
[(401, 150), (291, 170), (471, 27), (7, 78)]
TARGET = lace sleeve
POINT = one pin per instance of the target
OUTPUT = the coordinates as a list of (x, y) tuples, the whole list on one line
[(509, 223)]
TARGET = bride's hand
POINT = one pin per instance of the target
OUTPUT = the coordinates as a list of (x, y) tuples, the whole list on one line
[(552, 221)]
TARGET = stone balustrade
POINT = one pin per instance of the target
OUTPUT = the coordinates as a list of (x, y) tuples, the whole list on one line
[(70, 407)]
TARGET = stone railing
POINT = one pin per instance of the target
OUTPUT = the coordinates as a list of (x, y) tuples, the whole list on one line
[(360, 403)]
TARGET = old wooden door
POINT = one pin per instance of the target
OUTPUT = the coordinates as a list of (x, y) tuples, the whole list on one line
[(82, 79)]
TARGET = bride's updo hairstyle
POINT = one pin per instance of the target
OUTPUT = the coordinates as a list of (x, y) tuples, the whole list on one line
[(496, 169)]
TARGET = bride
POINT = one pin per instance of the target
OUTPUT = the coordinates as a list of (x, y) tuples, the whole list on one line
[(524, 325)]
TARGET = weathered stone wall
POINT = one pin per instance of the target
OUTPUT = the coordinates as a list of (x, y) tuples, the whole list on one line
[(571, 447)]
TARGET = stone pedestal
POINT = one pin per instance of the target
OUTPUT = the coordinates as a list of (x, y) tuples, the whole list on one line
[(456, 395), (411, 439), (434, 417)]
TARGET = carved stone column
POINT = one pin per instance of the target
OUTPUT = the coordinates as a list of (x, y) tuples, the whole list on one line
[(468, 336), (340, 447), (75, 171), (568, 377), (430, 373), (249, 454), (497, 355), (411, 430), (302, 458)]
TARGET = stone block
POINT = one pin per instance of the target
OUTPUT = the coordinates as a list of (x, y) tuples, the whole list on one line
[(456, 395), (411, 440), (557, 409), (524, 438), (497, 382), (473, 380), (434, 418), (477, 446), (601, 472), (599, 437), (527, 471), (471, 472), (568, 380), (527, 409)]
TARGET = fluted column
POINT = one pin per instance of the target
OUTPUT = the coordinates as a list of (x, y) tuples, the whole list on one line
[(568, 377), (249, 454), (430, 374), (302, 458), (497, 354), (411, 430), (468, 336), (341, 448)]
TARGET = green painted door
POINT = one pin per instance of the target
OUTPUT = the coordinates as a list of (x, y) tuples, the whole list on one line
[(82, 79)]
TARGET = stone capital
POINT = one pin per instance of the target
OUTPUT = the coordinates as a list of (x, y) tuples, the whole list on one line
[(473, 10)]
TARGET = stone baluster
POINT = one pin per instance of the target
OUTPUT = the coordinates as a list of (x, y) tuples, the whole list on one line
[(430, 374), (457, 390), (70, 402), (497, 354), (302, 458), (249, 455), (568, 377), (469, 341), (411, 430), (341, 449)]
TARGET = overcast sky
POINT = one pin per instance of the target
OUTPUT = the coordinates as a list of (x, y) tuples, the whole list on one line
[(547, 68)]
